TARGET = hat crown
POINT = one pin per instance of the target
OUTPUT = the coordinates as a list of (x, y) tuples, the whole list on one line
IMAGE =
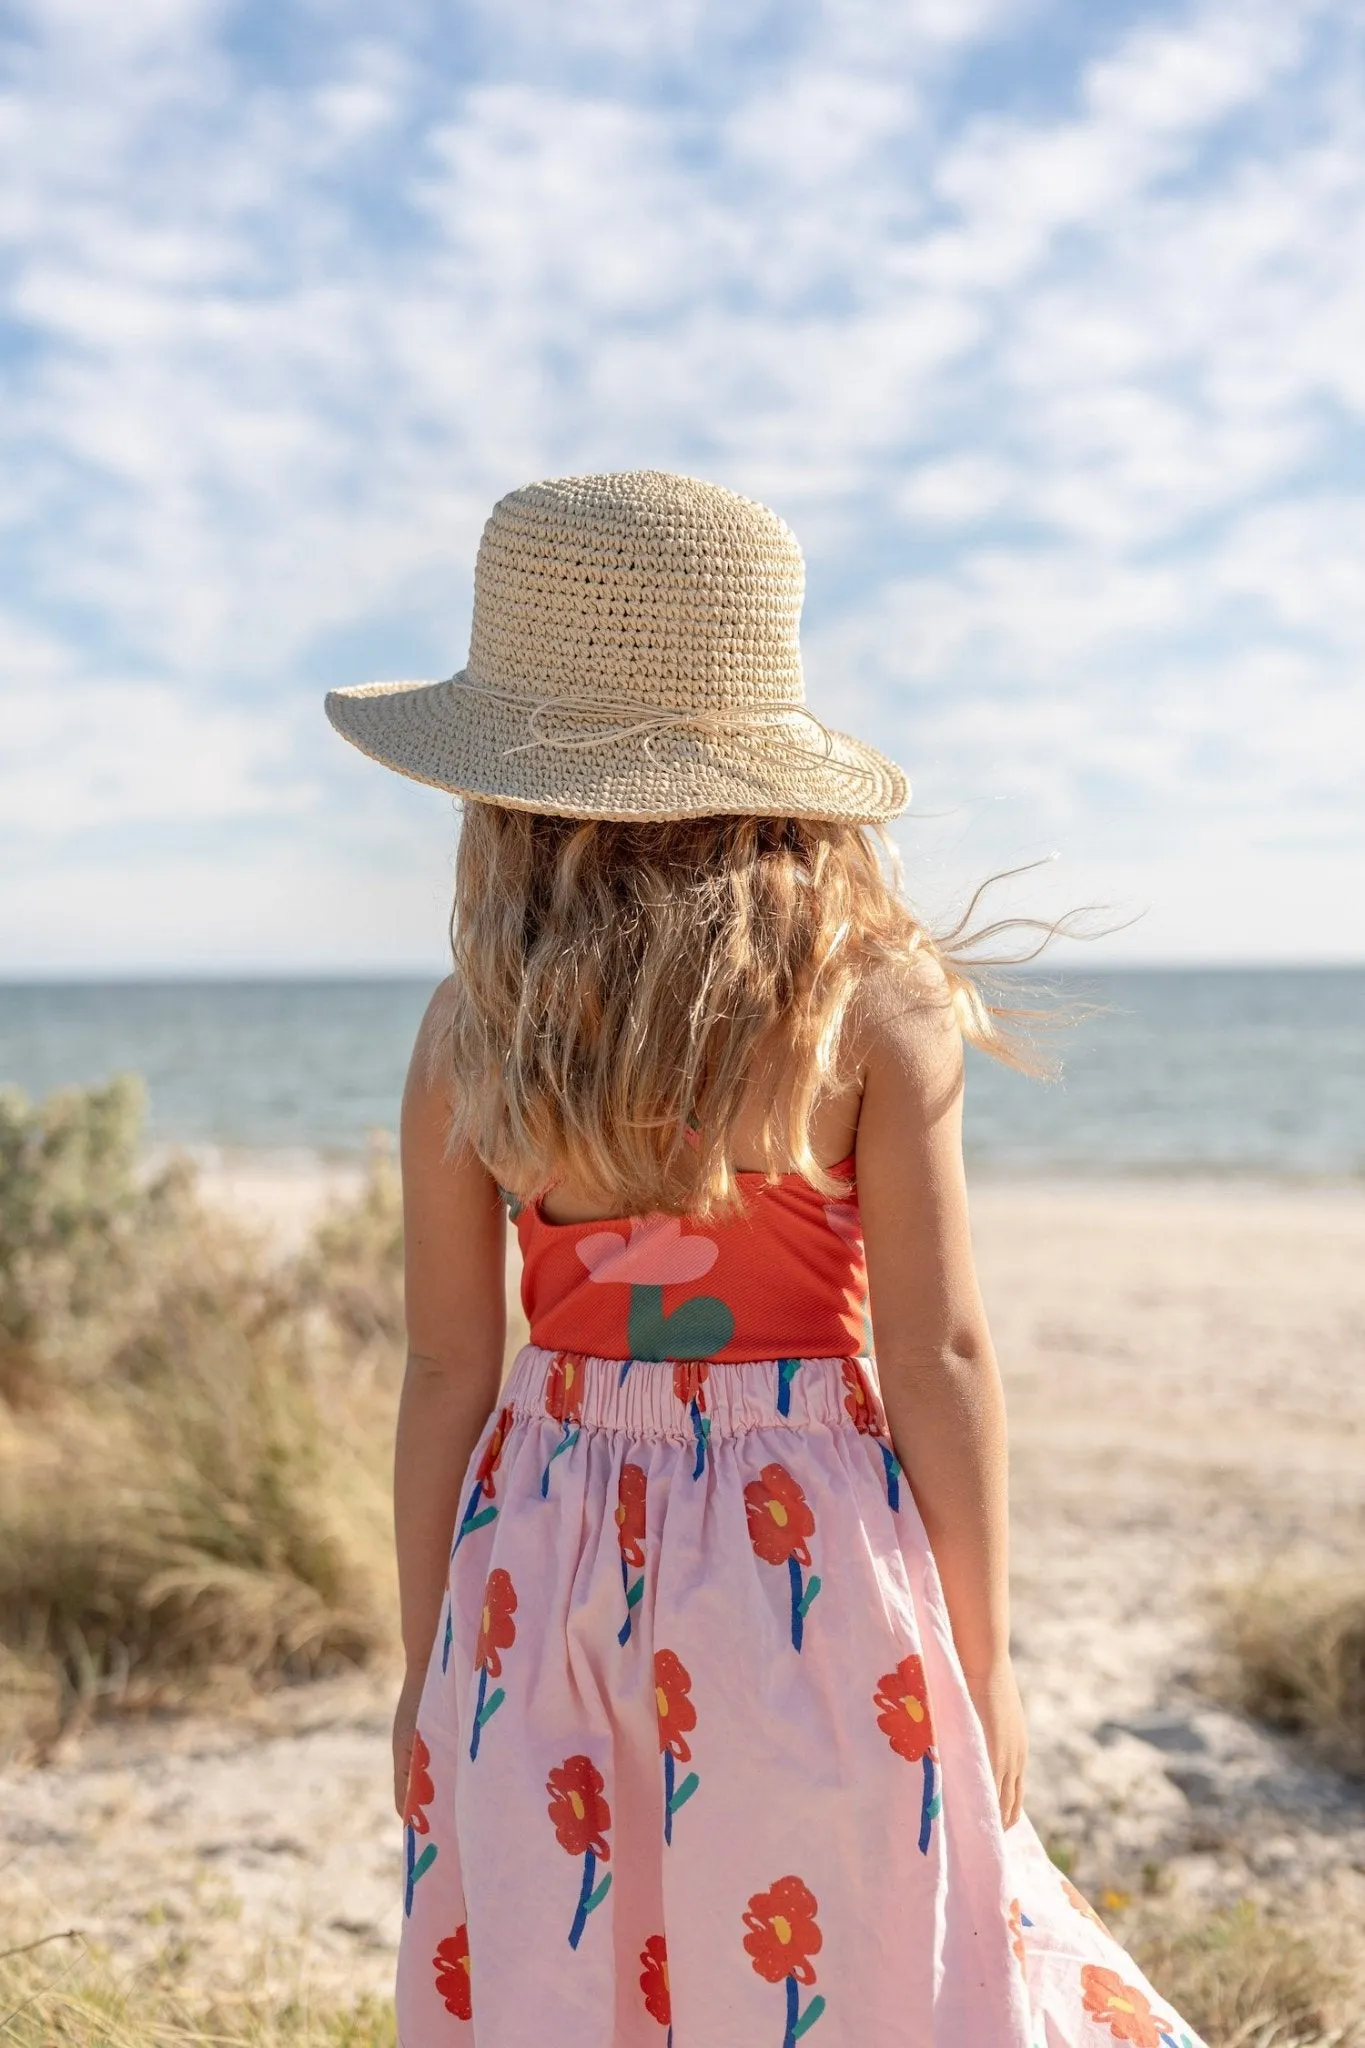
[(641, 586)]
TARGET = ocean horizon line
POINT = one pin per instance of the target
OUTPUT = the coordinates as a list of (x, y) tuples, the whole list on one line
[(352, 977)]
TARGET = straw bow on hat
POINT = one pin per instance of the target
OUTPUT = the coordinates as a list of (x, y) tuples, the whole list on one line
[(634, 655)]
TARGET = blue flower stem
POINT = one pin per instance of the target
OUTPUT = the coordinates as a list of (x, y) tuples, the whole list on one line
[(445, 1647), (566, 1443), (417, 1865), (669, 1768), (699, 1429), (798, 1618), (478, 1713), (580, 1918), (893, 1478), (793, 2009), (467, 1518), (926, 1812)]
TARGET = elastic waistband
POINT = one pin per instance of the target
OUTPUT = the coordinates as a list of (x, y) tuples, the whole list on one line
[(645, 1399)]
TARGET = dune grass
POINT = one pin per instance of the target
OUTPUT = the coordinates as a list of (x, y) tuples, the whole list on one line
[(61, 1995), (194, 1433), (1247, 1981), (1294, 1645)]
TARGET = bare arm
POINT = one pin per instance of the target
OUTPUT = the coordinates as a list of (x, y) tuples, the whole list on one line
[(454, 1234), (940, 1382)]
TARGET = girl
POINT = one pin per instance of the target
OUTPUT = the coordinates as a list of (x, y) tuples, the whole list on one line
[(709, 1735)]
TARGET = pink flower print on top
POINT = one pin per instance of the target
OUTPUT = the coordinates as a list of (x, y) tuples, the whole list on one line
[(655, 1255)]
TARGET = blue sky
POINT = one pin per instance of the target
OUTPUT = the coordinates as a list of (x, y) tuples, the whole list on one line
[(1043, 325)]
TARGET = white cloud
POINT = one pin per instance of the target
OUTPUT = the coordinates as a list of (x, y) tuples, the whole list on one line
[(1060, 402)]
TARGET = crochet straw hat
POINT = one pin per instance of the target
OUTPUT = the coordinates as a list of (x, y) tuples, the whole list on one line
[(634, 654)]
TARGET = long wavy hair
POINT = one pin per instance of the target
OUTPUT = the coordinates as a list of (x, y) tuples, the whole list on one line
[(616, 982)]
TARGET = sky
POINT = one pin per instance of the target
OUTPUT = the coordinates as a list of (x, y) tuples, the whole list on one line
[(1041, 322)]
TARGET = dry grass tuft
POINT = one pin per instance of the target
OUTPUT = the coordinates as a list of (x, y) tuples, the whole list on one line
[(1245, 1981), (48, 2000), (1295, 1658), (193, 1435)]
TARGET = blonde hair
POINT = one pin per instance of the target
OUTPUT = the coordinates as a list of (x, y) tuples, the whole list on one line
[(615, 983)]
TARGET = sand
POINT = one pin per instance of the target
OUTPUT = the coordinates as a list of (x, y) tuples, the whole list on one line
[(1184, 1368)]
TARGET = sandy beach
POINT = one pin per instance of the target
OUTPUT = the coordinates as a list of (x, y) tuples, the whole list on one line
[(1185, 1367)]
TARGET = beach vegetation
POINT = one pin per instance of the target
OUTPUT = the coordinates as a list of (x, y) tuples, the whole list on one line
[(62, 1993), (194, 1431), (1294, 1658), (1244, 1979)]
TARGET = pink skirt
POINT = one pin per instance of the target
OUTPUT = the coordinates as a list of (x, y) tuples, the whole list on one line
[(696, 1765)]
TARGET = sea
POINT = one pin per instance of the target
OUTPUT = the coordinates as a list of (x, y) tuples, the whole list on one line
[(1225, 1072)]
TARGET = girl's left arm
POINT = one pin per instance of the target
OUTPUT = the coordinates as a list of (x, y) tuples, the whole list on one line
[(454, 1281)]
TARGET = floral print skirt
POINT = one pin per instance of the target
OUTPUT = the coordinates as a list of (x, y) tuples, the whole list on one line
[(696, 1766)]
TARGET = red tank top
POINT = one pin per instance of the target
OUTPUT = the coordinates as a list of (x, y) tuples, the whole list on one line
[(785, 1279)]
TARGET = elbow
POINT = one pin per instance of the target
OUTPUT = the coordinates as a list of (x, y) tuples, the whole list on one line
[(962, 1353)]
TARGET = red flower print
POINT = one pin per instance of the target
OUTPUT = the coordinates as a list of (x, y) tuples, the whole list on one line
[(1017, 1931), (492, 1455), (420, 1790), (1125, 2010), (904, 1719), (779, 1520), (858, 1400), (630, 1513), (1082, 1904), (497, 1630), (689, 1384), (782, 1934), (677, 1715), (654, 1980), (451, 1963), (580, 1814), (564, 1387)]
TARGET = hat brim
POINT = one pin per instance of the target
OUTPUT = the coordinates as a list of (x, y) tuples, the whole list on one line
[(482, 747)]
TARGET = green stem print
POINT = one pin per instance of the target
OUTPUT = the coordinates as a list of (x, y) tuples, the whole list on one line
[(697, 1328)]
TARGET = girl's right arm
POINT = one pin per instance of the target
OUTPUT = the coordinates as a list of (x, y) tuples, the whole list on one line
[(454, 1244), (935, 1361)]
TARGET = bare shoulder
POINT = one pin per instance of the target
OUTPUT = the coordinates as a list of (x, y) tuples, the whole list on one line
[(429, 1069), (904, 1020)]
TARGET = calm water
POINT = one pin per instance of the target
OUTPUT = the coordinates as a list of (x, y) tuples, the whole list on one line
[(1188, 1070)]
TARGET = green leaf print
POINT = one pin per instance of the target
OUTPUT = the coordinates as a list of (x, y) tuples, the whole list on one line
[(809, 2016)]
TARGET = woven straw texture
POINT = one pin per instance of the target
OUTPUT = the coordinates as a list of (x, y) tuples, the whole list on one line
[(634, 654)]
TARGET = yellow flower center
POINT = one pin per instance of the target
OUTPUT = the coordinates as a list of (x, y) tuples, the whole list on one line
[(913, 1707), (663, 1972), (662, 1697), (621, 1517), (778, 1513), (576, 1802), (1117, 2004), (487, 1619), (782, 1929), (464, 1964)]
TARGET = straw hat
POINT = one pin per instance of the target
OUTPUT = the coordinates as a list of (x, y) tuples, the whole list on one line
[(634, 655)]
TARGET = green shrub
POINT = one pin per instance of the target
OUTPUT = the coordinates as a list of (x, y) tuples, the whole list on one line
[(79, 1228), (193, 1482)]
